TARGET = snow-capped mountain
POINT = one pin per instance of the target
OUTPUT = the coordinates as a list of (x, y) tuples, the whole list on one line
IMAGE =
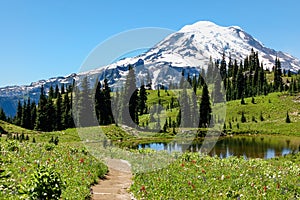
[(189, 48)]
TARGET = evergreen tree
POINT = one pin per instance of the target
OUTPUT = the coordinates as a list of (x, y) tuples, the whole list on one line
[(18, 118), (133, 107), (117, 107), (33, 115), (261, 117), (243, 100), (230, 67), (189, 80), (289, 73), (24, 115), (143, 100), (205, 108), (287, 119), (178, 118), (217, 93), (201, 78), (41, 119), (243, 118), (107, 104), (130, 99), (210, 71), (277, 76), (2, 115), (51, 92), (182, 80), (185, 109), (62, 89), (50, 116), (67, 119), (223, 71), (99, 103), (165, 126), (240, 83), (56, 91), (194, 84), (84, 115), (194, 111), (253, 100), (58, 113)]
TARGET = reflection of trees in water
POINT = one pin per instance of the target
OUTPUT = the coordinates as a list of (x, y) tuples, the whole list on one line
[(251, 147)]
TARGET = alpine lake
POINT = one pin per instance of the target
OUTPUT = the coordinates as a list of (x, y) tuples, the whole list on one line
[(247, 146)]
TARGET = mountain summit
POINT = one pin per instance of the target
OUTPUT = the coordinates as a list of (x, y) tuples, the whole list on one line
[(189, 48), (199, 41)]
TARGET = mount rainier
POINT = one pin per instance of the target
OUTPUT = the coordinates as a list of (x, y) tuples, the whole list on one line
[(189, 48)]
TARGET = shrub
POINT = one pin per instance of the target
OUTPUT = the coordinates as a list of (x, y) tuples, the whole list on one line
[(56, 140), (49, 146), (45, 183)]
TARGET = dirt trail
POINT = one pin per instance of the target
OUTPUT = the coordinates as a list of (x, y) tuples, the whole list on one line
[(116, 183)]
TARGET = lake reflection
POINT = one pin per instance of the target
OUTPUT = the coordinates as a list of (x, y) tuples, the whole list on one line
[(246, 146)]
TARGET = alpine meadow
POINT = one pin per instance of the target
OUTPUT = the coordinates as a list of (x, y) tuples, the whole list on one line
[(207, 112)]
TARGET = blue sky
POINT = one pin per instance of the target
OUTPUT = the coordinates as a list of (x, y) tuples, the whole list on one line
[(44, 39)]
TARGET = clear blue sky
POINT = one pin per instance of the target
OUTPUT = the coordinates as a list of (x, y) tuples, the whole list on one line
[(43, 39)]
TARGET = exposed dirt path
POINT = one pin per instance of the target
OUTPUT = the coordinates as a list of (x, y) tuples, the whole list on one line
[(116, 183)]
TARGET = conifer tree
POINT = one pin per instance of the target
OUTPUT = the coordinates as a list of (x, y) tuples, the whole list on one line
[(33, 115), (56, 91), (182, 80), (217, 93), (287, 119), (50, 116), (85, 111), (24, 115), (185, 109), (67, 119), (18, 118), (240, 83), (243, 100), (99, 102), (261, 117), (107, 103), (277, 76), (2, 115), (58, 112), (223, 71), (130, 99), (205, 108), (62, 89), (289, 73), (142, 99), (51, 92), (243, 118), (41, 118)]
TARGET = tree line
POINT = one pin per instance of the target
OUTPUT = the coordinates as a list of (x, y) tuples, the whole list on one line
[(64, 107)]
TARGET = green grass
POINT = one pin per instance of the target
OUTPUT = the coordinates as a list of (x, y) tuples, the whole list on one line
[(182, 179), (77, 168), (203, 177), (10, 128), (273, 108)]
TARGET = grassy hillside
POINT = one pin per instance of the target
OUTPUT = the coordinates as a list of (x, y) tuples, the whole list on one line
[(273, 107), (10, 128)]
